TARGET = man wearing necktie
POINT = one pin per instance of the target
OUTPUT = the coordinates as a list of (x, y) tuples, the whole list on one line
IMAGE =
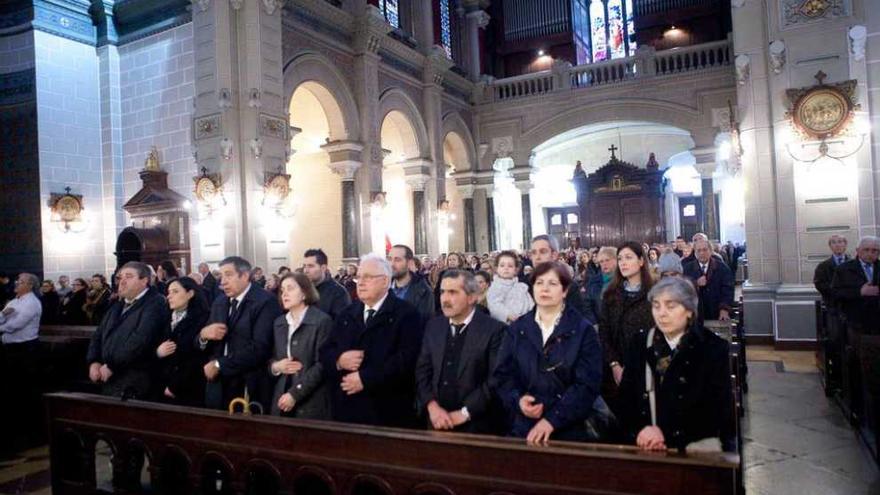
[(370, 357), (825, 270), (121, 353), (714, 282), (856, 287), (454, 373), (239, 338)]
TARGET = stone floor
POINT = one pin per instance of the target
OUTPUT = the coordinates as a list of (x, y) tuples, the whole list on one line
[(796, 440)]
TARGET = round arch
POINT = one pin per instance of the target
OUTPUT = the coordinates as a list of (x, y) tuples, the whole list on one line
[(395, 100), (330, 88), (459, 135)]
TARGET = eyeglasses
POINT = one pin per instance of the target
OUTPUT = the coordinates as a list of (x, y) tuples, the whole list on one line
[(367, 278)]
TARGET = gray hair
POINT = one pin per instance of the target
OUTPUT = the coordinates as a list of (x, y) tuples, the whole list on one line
[(868, 239), (31, 279), (381, 262), (678, 289), (554, 244), (468, 280)]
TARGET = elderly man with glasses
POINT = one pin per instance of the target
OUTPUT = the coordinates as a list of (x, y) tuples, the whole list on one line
[(370, 357)]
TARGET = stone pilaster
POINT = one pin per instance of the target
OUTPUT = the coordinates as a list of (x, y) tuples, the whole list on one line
[(417, 183), (706, 166), (436, 66), (475, 20), (467, 196)]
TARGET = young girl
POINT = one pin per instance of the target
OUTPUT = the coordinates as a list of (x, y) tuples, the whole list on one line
[(508, 297)]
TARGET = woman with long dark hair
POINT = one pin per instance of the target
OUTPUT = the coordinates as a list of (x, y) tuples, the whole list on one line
[(625, 312), (182, 379)]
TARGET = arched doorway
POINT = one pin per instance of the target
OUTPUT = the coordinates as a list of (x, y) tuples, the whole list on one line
[(316, 193), (150, 246), (455, 231), (394, 223)]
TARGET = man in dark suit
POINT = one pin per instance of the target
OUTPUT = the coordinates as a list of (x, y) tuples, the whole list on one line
[(239, 338), (454, 371), (371, 354), (122, 353), (824, 273), (407, 284), (334, 297), (856, 287), (209, 283), (714, 282)]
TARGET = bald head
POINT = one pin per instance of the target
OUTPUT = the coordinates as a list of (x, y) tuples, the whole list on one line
[(869, 249)]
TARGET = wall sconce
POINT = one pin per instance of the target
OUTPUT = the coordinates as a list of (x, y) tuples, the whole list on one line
[(276, 188), (822, 113), (378, 201), (67, 211), (209, 191), (444, 209)]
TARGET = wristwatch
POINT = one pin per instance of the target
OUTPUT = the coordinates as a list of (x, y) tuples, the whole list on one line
[(217, 364), (465, 413)]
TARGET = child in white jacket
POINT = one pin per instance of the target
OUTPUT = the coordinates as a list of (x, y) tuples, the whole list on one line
[(508, 298)]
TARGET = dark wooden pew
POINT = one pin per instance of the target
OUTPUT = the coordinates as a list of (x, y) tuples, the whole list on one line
[(199, 451)]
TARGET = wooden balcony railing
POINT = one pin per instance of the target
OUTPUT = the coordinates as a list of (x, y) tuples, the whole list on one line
[(169, 449)]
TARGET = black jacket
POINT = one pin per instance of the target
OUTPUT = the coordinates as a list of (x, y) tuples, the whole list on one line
[(333, 297), (391, 344), (182, 372), (421, 296), (823, 276), (623, 315), (846, 286), (695, 399), (476, 384), (564, 375), (73, 313), (718, 292), (127, 343), (247, 346), (309, 386), (211, 287)]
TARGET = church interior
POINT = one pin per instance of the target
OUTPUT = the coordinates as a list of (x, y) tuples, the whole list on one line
[(195, 131)]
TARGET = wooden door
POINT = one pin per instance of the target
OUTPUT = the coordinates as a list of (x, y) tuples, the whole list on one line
[(606, 222), (690, 216)]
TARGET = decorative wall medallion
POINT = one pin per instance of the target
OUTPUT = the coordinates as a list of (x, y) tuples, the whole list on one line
[(276, 188), (272, 126), (209, 189), (502, 147), (66, 208), (796, 12), (207, 127), (824, 110)]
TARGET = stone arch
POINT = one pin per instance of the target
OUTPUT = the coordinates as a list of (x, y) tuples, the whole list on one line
[(331, 89), (395, 103), (454, 125), (617, 109)]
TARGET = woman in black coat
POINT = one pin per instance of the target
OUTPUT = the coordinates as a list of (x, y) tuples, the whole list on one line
[(182, 379), (73, 312), (300, 388), (625, 312), (686, 370), (550, 364)]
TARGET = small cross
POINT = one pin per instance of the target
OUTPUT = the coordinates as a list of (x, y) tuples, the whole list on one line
[(612, 149), (820, 76), (67, 190)]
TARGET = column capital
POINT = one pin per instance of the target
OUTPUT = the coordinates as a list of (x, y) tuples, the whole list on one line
[(370, 29), (417, 182), (345, 169), (706, 163), (479, 17), (466, 191), (436, 65)]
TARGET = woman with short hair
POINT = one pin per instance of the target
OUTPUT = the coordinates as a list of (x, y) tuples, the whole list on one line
[(550, 364), (300, 390), (675, 391)]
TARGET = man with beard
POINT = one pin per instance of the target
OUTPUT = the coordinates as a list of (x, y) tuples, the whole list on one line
[(407, 284)]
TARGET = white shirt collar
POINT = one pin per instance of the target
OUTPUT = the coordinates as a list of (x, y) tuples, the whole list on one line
[(137, 296), (673, 343), (467, 321), (376, 307), (547, 331), (239, 298)]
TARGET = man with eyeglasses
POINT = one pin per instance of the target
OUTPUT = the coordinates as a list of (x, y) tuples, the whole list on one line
[(545, 248), (371, 354), (121, 354), (19, 329)]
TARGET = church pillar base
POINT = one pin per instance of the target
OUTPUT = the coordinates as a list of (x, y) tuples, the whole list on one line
[(784, 312)]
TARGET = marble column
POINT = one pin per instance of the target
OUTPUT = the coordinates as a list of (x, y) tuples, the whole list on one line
[(345, 162), (241, 125), (706, 166), (470, 239), (524, 185), (490, 220), (476, 20), (370, 31), (420, 211)]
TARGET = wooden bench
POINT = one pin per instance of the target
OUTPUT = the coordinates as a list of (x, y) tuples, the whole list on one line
[(198, 451)]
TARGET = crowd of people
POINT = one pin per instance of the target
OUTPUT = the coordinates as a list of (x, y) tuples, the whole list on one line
[(603, 344)]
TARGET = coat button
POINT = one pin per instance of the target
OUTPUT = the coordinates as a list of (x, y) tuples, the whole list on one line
[(682, 380)]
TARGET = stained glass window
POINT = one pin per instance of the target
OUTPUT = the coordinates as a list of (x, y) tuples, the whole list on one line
[(597, 31), (630, 27), (445, 27), (391, 12), (616, 45)]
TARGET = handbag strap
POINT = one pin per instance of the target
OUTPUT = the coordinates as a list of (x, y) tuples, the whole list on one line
[(649, 382)]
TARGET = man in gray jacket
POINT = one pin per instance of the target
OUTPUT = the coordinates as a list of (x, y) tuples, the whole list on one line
[(408, 285)]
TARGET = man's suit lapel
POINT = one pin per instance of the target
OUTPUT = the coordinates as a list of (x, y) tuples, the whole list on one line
[(384, 313)]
